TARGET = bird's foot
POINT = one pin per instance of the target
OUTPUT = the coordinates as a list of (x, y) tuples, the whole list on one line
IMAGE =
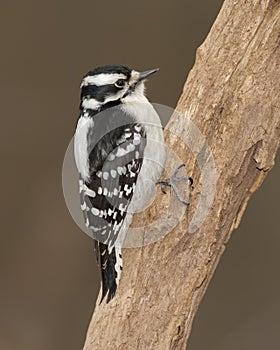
[(172, 183)]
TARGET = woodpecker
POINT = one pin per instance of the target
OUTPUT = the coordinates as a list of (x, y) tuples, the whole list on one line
[(119, 152)]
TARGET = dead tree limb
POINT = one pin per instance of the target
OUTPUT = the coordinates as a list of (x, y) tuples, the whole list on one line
[(232, 96)]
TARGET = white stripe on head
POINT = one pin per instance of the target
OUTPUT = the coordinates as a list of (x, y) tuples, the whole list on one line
[(102, 79)]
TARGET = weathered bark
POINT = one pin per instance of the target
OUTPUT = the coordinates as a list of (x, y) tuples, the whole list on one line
[(232, 96)]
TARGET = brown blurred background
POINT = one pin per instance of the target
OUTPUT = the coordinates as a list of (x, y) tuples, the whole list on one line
[(49, 279)]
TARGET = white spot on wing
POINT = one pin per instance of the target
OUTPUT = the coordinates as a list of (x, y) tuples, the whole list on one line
[(105, 175), (122, 208), (111, 156), (99, 190), (120, 170), (84, 206), (113, 173), (95, 211), (121, 152), (130, 147), (137, 139), (127, 189), (89, 192)]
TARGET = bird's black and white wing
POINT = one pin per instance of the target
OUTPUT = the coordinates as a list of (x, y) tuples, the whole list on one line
[(114, 161)]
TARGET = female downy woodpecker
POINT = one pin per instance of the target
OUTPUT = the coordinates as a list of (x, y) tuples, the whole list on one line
[(120, 154)]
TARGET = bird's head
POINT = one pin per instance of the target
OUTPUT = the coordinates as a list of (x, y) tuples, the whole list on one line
[(111, 85)]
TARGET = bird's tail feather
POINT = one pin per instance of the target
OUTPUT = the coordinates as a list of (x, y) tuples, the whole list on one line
[(111, 267)]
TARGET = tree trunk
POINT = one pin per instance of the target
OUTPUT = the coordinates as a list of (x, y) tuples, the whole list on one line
[(232, 97)]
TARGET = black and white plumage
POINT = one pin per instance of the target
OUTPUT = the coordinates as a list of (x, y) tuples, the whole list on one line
[(120, 154)]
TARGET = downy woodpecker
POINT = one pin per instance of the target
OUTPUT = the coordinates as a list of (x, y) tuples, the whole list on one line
[(120, 154)]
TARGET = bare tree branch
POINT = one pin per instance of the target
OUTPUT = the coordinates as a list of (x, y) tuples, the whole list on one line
[(232, 96)]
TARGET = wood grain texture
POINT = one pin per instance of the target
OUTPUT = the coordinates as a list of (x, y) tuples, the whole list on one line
[(232, 96)]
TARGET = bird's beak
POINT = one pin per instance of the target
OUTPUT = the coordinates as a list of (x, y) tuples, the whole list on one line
[(146, 74)]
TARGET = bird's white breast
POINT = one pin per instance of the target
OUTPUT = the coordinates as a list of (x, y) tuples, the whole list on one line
[(81, 146)]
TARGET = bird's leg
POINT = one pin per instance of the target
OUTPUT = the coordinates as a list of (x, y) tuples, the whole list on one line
[(171, 182)]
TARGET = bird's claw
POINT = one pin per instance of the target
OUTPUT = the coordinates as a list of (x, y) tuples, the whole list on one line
[(171, 182)]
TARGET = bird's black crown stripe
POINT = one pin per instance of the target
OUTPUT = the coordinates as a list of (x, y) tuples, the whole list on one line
[(111, 69)]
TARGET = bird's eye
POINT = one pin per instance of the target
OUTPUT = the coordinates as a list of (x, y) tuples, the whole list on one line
[(120, 83)]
